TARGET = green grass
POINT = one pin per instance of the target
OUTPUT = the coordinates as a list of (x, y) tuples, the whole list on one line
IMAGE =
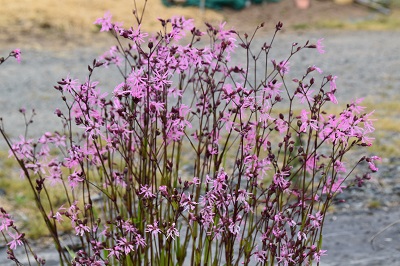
[(376, 22), (18, 199), (374, 204), (387, 126), (395, 3)]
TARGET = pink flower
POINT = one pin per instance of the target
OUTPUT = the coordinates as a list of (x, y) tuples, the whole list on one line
[(135, 35), (17, 240), (311, 163), (187, 203), (306, 122), (212, 149), (272, 89), (125, 245), (314, 68), (175, 92), (279, 217), (320, 47), (156, 107), (105, 22), (356, 107), (285, 257), (332, 97), (283, 67), (261, 255), (281, 125), (163, 190), (301, 235), (115, 251), (305, 96), (17, 54), (317, 255), (74, 179), (58, 215), (153, 229), (129, 227), (332, 83), (234, 228), (179, 27), (280, 181), (69, 85), (333, 187), (139, 241), (172, 232), (371, 163), (146, 192), (111, 57), (339, 167), (23, 148), (196, 181), (5, 221), (315, 220), (80, 229)]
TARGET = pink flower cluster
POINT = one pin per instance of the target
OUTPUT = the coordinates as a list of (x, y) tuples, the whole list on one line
[(189, 151)]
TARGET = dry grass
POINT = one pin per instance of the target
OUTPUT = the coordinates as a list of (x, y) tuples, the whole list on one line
[(387, 127), (39, 21), (25, 16), (377, 22), (55, 25)]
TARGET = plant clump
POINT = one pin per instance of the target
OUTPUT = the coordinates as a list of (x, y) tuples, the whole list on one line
[(187, 160)]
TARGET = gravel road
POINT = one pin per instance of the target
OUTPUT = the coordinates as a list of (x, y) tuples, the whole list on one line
[(367, 64)]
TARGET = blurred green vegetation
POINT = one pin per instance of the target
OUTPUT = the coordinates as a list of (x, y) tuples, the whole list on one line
[(375, 21), (17, 195)]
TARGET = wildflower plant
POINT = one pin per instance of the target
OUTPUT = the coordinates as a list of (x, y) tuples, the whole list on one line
[(192, 159)]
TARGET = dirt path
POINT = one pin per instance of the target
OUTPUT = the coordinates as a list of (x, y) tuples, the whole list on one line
[(360, 238), (366, 64)]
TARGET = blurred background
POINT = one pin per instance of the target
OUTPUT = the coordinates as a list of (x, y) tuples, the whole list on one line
[(58, 38), (32, 23)]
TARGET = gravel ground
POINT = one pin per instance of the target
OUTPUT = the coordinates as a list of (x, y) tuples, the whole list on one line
[(367, 64)]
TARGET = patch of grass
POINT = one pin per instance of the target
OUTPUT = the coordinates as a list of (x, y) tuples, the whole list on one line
[(376, 22), (331, 24), (301, 26), (75, 15), (395, 3), (374, 204), (18, 196), (387, 126)]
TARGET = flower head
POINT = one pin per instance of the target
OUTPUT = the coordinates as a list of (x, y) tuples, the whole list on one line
[(17, 54), (17, 240), (320, 47), (172, 232), (283, 67), (105, 22)]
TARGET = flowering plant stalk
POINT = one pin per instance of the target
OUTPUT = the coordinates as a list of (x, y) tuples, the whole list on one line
[(193, 159), (12, 235)]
